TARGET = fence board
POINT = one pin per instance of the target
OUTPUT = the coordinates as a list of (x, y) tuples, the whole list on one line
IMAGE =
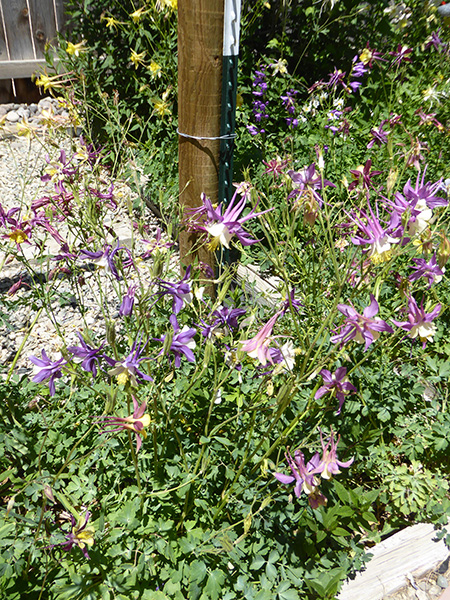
[(18, 32), (43, 23)]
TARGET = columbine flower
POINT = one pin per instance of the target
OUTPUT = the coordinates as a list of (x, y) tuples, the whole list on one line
[(80, 535), (429, 270), (224, 317), (379, 136), (49, 370), (128, 369), (258, 346), (402, 54), (378, 239), (275, 166), (137, 58), (329, 463), (126, 307), (155, 70), (302, 474), (104, 259), (283, 357), (362, 176), (361, 328), (181, 292), (222, 227), (335, 383), (137, 422), (89, 357), (182, 344), (76, 49), (305, 193), (419, 323), (368, 55)]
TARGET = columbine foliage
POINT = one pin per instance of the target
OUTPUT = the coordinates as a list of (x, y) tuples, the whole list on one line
[(242, 446)]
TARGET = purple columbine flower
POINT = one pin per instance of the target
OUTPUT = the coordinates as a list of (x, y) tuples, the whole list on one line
[(430, 270), (335, 383), (302, 475), (81, 535), (126, 307), (224, 317), (363, 328), (378, 238), (104, 259), (419, 323), (306, 179), (128, 369), (222, 227), (136, 422), (329, 463), (379, 136), (180, 292), (182, 344), (89, 357), (49, 370)]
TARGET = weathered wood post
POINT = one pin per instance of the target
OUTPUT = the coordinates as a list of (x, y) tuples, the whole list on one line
[(200, 48)]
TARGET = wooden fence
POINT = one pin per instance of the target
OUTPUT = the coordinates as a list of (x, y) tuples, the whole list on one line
[(26, 26)]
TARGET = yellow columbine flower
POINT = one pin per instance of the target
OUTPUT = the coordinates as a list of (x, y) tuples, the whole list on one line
[(26, 129), (76, 49), (48, 82), (138, 14), (162, 4), (137, 58), (155, 70), (161, 108), (111, 22)]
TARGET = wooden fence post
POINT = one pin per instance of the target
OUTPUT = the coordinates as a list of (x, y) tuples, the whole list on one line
[(200, 48)]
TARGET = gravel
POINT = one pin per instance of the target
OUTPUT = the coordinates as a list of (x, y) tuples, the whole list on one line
[(27, 323)]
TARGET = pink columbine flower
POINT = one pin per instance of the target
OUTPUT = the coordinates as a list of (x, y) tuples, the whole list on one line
[(335, 382), (419, 323), (136, 422), (363, 328), (258, 346), (329, 463)]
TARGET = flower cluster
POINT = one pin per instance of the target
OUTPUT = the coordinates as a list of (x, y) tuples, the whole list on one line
[(304, 475)]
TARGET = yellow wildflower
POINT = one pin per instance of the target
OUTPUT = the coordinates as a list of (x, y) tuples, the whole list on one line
[(137, 58), (76, 49), (111, 22), (155, 70), (161, 108), (26, 129), (170, 4), (49, 82), (138, 14)]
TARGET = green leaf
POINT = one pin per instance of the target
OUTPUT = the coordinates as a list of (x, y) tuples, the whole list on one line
[(214, 584), (197, 571)]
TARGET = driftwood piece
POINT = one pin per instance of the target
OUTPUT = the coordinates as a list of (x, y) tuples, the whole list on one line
[(413, 550)]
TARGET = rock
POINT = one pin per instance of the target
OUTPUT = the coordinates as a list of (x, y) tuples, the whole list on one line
[(23, 112), (424, 585), (12, 116), (32, 108), (442, 581)]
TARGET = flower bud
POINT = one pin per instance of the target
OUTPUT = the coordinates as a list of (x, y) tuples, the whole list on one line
[(443, 251)]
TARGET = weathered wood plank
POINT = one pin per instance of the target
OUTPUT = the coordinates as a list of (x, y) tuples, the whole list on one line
[(43, 23), (3, 49), (413, 550), (18, 33), (16, 69)]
